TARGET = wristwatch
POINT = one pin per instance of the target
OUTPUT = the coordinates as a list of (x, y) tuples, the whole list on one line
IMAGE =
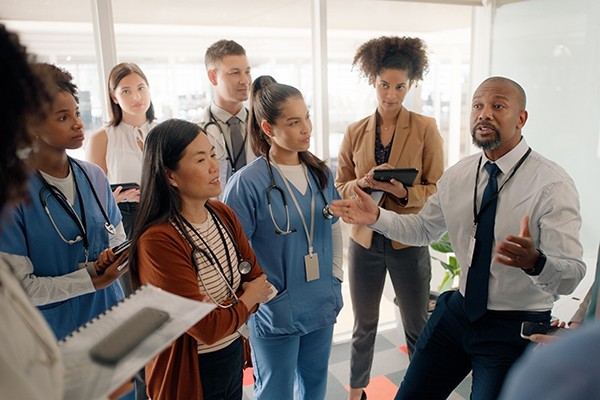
[(539, 265)]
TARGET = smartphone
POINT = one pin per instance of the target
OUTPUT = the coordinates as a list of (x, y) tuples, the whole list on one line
[(125, 186), (125, 338), (529, 328), (118, 250)]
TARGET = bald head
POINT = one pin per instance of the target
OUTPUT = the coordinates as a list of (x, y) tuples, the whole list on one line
[(518, 90)]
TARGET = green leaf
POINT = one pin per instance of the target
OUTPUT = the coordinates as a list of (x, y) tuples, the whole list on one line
[(446, 283), (454, 265), (443, 245)]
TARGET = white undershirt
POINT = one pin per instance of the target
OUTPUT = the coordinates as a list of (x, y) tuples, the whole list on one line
[(65, 185), (295, 175)]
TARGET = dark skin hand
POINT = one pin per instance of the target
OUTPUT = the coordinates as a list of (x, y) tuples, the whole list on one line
[(518, 251), (108, 263), (393, 187)]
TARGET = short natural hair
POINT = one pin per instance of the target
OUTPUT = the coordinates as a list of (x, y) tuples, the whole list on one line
[(520, 92), (58, 77), (392, 52), (218, 50), (119, 72)]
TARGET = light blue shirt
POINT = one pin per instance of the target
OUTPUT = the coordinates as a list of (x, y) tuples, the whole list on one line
[(541, 189), (300, 306), (27, 231)]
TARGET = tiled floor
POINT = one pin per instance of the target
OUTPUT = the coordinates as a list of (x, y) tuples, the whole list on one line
[(391, 361)]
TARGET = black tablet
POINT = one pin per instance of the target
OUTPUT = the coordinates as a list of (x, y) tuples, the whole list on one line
[(125, 186), (405, 175)]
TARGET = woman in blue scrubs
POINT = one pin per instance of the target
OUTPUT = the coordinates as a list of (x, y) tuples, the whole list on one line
[(62, 231), (282, 200)]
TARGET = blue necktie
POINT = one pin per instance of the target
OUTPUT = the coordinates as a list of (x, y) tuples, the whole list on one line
[(476, 293)]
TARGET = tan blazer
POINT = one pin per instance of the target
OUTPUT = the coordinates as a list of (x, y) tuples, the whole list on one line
[(417, 144)]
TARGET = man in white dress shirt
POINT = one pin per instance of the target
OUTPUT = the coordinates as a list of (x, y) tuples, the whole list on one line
[(533, 248), (225, 119)]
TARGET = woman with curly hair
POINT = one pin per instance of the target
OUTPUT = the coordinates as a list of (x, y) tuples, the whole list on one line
[(392, 137)]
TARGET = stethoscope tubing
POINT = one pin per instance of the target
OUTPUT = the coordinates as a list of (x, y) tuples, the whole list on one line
[(244, 266), (273, 186), (213, 121), (62, 200)]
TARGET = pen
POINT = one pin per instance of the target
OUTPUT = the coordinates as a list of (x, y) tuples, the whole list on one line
[(120, 267)]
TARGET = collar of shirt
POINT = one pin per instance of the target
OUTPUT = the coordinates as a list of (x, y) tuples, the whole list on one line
[(223, 116), (508, 161)]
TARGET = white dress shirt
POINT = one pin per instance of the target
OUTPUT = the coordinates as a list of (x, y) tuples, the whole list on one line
[(541, 189)]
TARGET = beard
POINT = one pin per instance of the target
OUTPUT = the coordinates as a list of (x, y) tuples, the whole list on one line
[(489, 144)]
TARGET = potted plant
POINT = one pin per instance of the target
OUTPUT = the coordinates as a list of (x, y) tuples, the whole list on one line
[(452, 268)]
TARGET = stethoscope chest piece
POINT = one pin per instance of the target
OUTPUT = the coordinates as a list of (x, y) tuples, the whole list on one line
[(245, 267), (327, 212), (110, 228)]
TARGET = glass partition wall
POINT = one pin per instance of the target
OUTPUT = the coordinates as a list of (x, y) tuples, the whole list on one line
[(552, 48), (168, 41)]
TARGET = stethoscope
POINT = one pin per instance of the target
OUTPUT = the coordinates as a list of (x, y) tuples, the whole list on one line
[(244, 266), (62, 200), (213, 121), (326, 211)]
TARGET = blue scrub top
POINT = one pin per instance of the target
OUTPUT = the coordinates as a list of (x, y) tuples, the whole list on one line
[(28, 231), (300, 306)]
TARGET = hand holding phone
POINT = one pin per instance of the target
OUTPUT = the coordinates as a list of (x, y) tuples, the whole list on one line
[(529, 328), (119, 249)]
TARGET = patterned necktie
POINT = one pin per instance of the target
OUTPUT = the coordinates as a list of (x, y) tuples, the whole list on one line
[(476, 294), (237, 144)]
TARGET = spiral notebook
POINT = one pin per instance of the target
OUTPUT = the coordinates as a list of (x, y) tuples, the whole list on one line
[(88, 379)]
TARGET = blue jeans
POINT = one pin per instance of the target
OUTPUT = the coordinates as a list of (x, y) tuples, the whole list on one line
[(291, 367), (450, 346)]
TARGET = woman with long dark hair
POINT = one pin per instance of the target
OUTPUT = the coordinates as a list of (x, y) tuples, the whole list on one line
[(392, 137), (118, 147), (194, 247), (282, 200)]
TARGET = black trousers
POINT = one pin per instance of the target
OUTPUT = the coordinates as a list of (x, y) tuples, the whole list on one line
[(450, 346), (221, 372)]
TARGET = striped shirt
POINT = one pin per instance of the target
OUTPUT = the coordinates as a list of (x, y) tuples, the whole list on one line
[(209, 276)]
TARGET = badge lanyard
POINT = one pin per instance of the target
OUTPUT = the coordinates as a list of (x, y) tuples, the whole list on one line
[(477, 215), (311, 260)]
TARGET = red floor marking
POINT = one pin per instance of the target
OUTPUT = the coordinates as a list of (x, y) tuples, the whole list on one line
[(404, 349), (248, 377), (380, 388)]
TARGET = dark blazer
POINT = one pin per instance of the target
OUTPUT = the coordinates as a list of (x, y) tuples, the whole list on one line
[(417, 144)]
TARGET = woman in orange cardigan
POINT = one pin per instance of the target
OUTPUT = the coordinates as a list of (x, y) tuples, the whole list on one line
[(392, 137), (194, 247)]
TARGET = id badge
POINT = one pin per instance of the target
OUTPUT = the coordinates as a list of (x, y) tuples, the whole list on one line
[(311, 265)]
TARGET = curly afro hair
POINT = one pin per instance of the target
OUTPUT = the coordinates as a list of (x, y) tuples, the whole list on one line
[(392, 52)]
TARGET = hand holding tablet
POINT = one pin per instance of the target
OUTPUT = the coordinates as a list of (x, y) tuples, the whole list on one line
[(406, 176)]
